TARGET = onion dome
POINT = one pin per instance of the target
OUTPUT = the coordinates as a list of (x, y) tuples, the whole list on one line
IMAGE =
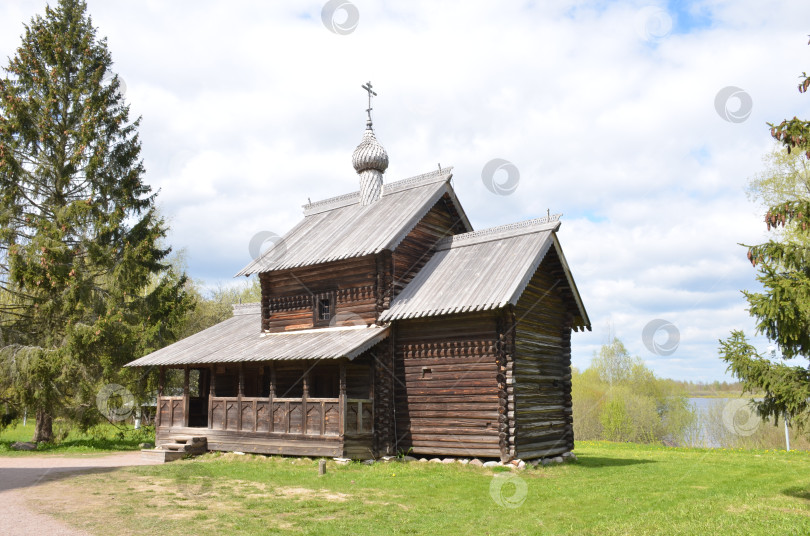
[(370, 161), (370, 154)]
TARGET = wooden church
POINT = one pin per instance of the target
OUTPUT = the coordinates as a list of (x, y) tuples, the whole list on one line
[(386, 325)]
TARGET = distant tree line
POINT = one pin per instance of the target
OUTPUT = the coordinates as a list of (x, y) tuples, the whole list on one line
[(709, 389), (618, 398)]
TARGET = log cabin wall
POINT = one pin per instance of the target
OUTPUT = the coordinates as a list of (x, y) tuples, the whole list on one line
[(446, 387), (541, 376), (382, 356), (505, 361), (384, 282), (289, 296), (416, 249)]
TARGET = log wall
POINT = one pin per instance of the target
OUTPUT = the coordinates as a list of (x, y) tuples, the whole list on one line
[(505, 362), (417, 248), (288, 296), (539, 381), (383, 395), (446, 390)]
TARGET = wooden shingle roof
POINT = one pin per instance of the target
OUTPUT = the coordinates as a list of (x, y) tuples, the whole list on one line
[(239, 339), (342, 228), (482, 270)]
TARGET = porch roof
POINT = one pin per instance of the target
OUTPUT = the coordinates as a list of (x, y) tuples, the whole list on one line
[(238, 339)]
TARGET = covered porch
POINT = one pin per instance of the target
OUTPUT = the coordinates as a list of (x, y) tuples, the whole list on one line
[(308, 392), (304, 408)]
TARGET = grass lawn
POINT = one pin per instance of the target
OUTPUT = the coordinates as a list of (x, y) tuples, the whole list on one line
[(611, 489), (101, 439)]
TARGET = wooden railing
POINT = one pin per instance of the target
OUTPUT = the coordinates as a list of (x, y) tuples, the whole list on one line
[(294, 416), (315, 416), (170, 411), (359, 416)]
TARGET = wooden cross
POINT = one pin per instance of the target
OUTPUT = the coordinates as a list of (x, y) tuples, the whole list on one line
[(367, 87)]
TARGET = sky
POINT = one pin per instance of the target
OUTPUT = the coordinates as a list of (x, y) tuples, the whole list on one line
[(640, 122)]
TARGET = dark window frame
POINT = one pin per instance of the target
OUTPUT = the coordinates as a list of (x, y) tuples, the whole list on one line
[(317, 308)]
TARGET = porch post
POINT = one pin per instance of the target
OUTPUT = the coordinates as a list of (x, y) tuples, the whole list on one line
[(211, 392), (161, 384), (342, 398), (304, 396), (240, 394), (372, 375), (272, 396), (186, 399)]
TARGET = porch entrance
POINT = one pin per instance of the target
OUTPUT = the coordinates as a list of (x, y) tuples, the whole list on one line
[(299, 399)]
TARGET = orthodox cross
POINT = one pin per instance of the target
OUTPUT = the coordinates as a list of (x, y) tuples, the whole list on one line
[(367, 87)]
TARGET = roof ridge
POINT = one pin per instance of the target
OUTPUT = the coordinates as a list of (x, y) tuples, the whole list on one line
[(499, 232), (326, 329), (439, 175), (246, 308), (331, 203), (351, 198)]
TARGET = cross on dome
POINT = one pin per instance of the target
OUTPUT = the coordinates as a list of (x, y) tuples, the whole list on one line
[(370, 159), (367, 86)]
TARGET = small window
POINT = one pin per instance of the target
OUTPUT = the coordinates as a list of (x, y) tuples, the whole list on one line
[(323, 309)]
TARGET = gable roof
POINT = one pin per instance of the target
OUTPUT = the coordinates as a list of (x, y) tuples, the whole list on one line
[(341, 228), (482, 270), (238, 339)]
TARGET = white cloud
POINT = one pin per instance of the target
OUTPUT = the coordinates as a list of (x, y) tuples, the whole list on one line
[(250, 108)]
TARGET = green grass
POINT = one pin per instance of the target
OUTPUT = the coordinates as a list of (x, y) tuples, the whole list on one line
[(100, 438), (611, 489)]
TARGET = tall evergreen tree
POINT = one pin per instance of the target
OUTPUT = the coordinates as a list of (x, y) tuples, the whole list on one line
[(84, 282), (782, 310)]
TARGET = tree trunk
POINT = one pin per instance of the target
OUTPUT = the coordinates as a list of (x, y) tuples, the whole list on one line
[(44, 428)]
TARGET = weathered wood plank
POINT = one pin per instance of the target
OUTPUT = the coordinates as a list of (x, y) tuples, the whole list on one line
[(541, 379)]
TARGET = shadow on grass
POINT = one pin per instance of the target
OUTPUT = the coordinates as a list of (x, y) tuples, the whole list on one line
[(597, 462), (23, 477), (798, 492), (78, 445)]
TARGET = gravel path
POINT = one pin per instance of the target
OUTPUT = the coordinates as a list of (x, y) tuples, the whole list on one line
[(20, 475)]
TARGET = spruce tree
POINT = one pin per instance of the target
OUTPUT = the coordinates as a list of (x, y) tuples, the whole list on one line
[(84, 282), (782, 309)]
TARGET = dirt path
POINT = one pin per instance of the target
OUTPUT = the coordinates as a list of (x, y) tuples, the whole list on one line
[(19, 477)]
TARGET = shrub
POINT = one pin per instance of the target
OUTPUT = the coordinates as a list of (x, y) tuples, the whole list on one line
[(619, 399)]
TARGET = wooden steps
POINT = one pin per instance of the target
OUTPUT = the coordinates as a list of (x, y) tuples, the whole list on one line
[(161, 456), (176, 448)]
